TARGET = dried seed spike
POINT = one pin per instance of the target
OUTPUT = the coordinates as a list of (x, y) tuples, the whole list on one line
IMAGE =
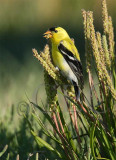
[(105, 16), (102, 72), (88, 48), (111, 38), (45, 65), (84, 14), (98, 36), (97, 47), (94, 45), (99, 43), (51, 90), (106, 52)]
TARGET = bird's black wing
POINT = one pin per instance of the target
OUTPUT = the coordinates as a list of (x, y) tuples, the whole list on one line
[(74, 64)]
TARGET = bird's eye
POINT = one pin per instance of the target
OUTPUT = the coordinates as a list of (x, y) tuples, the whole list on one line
[(53, 29), (56, 31)]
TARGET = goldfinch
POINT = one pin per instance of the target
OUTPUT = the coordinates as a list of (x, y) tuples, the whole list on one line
[(65, 57)]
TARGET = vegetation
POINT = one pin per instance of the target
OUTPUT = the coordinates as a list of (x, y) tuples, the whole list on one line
[(92, 132), (67, 129)]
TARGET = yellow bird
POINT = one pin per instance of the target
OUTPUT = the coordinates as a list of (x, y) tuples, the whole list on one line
[(65, 57)]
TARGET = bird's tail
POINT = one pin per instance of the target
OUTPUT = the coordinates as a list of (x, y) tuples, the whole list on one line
[(77, 92)]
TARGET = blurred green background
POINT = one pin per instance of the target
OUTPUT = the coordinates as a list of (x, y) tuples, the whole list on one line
[(22, 24)]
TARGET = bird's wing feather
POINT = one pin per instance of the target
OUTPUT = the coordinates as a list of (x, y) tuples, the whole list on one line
[(72, 61)]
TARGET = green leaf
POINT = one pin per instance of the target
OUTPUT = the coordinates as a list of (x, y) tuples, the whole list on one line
[(4, 150), (92, 131), (45, 130), (8, 156), (42, 143), (46, 115), (30, 126), (108, 146), (103, 158), (37, 156)]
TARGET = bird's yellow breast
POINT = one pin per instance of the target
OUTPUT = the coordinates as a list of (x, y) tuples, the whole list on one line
[(58, 59)]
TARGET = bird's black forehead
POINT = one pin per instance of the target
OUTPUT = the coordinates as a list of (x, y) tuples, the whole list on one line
[(52, 29)]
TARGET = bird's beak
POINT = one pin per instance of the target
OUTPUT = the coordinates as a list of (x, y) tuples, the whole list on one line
[(47, 34)]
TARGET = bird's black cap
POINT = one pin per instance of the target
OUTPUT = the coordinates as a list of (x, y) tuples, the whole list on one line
[(53, 29)]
